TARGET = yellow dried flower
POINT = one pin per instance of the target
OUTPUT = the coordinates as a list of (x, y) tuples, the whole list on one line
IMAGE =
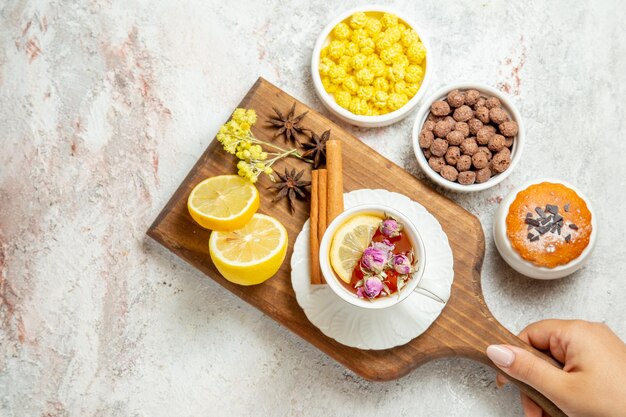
[(359, 61), (337, 74), (381, 84), (367, 46), (388, 55), (324, 52), (376, 66), (364, 76), (389, 20), (325, 65), (414, 74), (336, 49), (408, 37), (352, 49), (401, 60), (380, 99), (343, 98), (394, 33), (400, 88), (383, 42), (416, 52), (342, 31), (358, 20), (358, 35), (358, 106), (346, 62), (396, 101), (350, 84), (412, 89), (365, 92), (373, 26)]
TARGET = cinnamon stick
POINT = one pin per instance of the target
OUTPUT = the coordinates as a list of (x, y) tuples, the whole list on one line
[(314, 241), (321, 203), (335, 180)]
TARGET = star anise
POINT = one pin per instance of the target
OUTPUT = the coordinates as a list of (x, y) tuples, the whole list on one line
[(289, 125), (316, 148), (290, 186)]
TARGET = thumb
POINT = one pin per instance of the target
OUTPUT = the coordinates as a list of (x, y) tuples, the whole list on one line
[(528, 368)]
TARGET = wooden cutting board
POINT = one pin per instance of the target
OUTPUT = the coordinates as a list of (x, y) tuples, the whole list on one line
[(466, 326)]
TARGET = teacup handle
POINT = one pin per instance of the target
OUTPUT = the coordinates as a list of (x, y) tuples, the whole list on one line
[(429, 294)]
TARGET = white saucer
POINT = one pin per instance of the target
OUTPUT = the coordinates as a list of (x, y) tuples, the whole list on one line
[(386, 328)]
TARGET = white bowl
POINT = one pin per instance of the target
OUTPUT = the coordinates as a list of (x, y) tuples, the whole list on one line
[(516, 150), (510, 255), (329, 101), (333, 280)]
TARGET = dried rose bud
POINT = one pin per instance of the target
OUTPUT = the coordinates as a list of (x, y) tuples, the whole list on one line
[(390, 228), (371, 288), (402, 264), (374, 259)]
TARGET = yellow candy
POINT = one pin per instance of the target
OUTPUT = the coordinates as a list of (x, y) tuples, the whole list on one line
[(364, 76), (365, 92), (342, 31), (350, 84), (352, 49), (416, 52), (346, 62), (394, 33), (367, 46), (358, 20), (380, 99), (325, 65), (414, 74), (343, 98), (336, 49), (359, 61), (409, 37), (389, 20), (373, 26), (381, 84)]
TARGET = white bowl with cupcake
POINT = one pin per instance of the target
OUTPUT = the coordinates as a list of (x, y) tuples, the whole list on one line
[(468, 137), (371, 66), (545, 229)]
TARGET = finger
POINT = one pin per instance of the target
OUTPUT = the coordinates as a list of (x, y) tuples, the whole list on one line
[(501, 380), (531, 409), (528, 368), (548, 335)]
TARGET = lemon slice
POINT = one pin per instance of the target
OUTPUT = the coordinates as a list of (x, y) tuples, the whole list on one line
[(225, 202), (251, 254), (349, 242)]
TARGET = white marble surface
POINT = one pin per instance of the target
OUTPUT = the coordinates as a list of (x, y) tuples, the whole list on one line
[(104, 108)]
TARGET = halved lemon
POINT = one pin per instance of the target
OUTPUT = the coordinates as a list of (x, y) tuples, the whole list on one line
[(251, 254), (349, 242), (225, 202)]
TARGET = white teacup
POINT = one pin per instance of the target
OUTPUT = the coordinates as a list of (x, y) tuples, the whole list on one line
[(333, 280)]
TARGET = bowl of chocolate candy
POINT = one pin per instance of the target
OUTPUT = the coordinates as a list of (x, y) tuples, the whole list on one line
[(468, 137)]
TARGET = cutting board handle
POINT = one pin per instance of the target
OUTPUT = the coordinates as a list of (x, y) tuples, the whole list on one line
[(496, 334)]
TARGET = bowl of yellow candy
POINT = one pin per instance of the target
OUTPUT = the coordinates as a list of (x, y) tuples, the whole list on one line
[(371, 67)]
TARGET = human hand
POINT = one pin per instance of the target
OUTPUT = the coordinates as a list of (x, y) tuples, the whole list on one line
[(592, 382)]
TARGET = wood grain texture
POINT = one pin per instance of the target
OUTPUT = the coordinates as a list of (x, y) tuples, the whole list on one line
[(465, 328)]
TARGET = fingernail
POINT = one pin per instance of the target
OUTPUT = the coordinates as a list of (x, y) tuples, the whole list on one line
[(501, 355)]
